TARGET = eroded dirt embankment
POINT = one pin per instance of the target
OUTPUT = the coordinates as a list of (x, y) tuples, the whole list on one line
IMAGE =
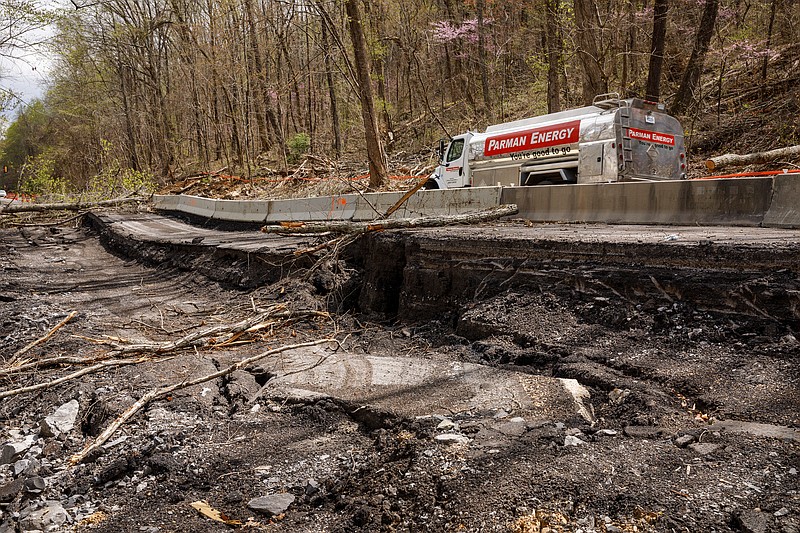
[(686, 338)]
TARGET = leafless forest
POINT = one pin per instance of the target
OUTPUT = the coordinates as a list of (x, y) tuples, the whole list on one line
[(169, 87)]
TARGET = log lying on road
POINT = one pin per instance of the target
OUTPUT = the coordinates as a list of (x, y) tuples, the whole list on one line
[(729, 160), (336, 226), (28, 208)]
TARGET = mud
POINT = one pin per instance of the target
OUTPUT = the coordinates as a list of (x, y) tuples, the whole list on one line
[(687, 341)]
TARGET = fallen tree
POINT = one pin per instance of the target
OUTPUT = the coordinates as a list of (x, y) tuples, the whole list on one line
[(346, 227), (730, 160), (77, 206)]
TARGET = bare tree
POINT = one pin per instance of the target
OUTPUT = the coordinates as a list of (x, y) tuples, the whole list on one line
[(691, 76), (594, 80), (554, 51), (653, 89), (377, 166)]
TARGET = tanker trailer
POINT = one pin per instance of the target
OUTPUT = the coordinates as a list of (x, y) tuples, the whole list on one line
[(611, 140)]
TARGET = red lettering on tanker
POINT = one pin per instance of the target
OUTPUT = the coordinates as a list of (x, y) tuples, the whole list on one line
[(651, 136), (520, 141)]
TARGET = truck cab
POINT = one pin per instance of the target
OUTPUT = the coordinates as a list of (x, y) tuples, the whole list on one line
[(453, 170)]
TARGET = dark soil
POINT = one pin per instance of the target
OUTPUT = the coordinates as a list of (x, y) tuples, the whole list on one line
[(668, 363)]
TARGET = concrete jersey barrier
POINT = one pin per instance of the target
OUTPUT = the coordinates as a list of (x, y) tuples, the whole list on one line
[(739, 202), (769, 201), (351, 207), (784, 209)]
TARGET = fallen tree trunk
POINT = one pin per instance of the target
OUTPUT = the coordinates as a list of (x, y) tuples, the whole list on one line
[(37, 208), (473, 217), (729, 160)]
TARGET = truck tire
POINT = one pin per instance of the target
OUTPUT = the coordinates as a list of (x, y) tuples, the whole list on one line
[(430, 185)]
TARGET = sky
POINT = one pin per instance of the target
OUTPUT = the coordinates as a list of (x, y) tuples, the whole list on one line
[(26, 76)]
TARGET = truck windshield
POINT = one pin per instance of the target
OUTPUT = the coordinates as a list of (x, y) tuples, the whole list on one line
[(456, 149)]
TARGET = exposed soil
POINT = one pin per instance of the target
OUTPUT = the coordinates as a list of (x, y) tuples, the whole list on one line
[(690, 354)]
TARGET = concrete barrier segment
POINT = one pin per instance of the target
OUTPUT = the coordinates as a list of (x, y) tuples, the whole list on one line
[(739, 202), (195, 205), (166, 202), (784, 210), (241, 210)]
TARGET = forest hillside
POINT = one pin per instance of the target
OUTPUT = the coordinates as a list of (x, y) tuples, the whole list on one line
[(149, 92)]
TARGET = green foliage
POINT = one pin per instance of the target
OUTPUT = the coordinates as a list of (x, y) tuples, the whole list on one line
[(114, 180), (299, 145), (23, 139), (38, 178)]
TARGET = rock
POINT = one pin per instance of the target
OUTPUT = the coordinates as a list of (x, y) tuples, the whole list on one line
[(446, 424), (783, 511), (13, 450), (272, 505), (513, 428), (572, 440), (752, 522), (49, 518), (9, 491), (618, 396), (61, 421), (684, 440), (34, 452), (26, 466), (452, 438), (312, 487), (704, 448), (35, 484)]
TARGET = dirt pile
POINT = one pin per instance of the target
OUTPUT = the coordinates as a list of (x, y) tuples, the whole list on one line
[(693, 428)]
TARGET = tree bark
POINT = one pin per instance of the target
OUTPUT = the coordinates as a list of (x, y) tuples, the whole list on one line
[(472, 217), (594, 81), (765, 64), (691, 76), (553, 44), (653, 89), (729, 160), (377, 166), (484, 68), (337, 129), (35, 208)]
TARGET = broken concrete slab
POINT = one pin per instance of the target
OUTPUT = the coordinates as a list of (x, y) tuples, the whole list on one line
[(757, 430), (412, 387), (61, 421)]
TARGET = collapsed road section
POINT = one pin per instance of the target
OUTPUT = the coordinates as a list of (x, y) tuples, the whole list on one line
[(505, 377)]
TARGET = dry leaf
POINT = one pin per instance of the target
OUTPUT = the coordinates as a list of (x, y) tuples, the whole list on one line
[(206, 510)]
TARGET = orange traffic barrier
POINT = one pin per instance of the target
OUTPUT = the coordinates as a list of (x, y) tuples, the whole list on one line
[(751, 174)]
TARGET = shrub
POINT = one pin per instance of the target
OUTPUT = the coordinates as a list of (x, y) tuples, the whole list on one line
[(299, 145)]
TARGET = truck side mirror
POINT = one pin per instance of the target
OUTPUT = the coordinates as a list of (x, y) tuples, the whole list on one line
[(441, 150)]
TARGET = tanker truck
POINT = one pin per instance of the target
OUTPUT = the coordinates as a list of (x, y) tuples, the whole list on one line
[(611, 140)]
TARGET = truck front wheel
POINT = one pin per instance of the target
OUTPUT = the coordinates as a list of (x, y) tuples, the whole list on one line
[(430, 185)]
